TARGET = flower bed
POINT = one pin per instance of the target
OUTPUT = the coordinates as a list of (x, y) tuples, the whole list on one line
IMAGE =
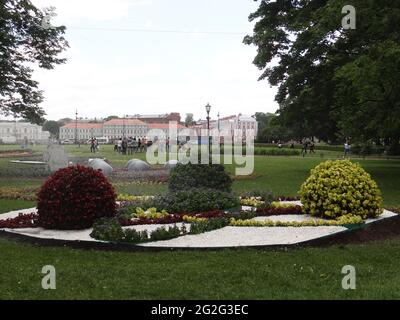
[(341, 221), (28, 194), (279, 210), (21, 221)]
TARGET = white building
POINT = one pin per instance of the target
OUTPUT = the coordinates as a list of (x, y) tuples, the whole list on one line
[(118, 128), (83, 130), (16, 132), (231, 124)]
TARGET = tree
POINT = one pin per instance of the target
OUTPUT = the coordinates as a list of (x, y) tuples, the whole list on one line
[(189, 119), (53, 127), (110, 118), (26, 39), (332, 81), (271, 129)]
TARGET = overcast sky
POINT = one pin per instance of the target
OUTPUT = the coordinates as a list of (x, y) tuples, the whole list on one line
[(115, 67)]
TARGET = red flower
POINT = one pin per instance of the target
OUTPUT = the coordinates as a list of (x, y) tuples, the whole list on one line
[(74, 197)]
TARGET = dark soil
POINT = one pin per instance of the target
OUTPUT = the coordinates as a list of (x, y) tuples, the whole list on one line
[(382, 230)]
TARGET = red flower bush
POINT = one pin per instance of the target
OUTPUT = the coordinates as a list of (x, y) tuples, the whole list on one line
[(21, 221), (74, 197), (277, 211)]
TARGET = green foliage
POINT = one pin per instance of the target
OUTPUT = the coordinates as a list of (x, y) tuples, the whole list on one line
[(195, 201), (265, 195), (189, 176), (53, 127), (275, 152), (23, 41), (107, 229), (209, 225), (166, 234), (337, 188), (330, 80), (271, 129)]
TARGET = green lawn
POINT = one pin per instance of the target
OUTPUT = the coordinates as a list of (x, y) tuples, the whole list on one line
[(243, 274), (282, 175), (7, 205)]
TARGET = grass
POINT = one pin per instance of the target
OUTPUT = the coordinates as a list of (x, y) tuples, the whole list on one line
[(283, 175), (310, 273), (244, 274), (11, 205)]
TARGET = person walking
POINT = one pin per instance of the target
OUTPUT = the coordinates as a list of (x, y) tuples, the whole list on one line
[(167, 144), (304, 147), (92, 145), (312, 147), (135, 145), (130, 145), (124, 145), (119, 144), (346, 149)]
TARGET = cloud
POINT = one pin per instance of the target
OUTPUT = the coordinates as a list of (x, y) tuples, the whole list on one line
[(70, 10)]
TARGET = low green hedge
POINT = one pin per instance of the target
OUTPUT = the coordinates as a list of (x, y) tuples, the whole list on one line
[(195, 200)]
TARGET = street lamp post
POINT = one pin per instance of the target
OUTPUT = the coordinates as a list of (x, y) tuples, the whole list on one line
[(208, 108), (76, 126), (123, 127)]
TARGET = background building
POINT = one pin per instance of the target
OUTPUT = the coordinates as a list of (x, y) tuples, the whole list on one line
[(19, 132), (158, 118), (83, 130), (247, 124), (126, 127)]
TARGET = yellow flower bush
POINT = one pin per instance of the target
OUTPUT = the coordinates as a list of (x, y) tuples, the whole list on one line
[(191, 219), (338, 188), (340, 221), (252, 202), (277, 204), (128, 197), (150, 213)]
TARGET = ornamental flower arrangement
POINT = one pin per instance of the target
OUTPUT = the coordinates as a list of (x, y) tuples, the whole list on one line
[(150, 213), (74, 198), (337, 188), (128, 197), (256, 202)]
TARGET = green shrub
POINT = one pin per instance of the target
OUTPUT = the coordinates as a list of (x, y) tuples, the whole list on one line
[(265, 195), (340, 187), (191, 176), (208, 225), (163, 233), (107, 229), (195, 201)]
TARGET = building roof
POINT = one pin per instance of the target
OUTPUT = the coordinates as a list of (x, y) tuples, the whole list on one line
[(163, 126), (127, 122), (83, 125)]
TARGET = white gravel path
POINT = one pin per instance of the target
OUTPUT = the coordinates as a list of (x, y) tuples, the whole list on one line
[(225, 237), (247, 236)]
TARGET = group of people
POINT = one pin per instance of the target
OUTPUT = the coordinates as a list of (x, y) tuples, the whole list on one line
[(130, 145), (94, 145), (307, 144)]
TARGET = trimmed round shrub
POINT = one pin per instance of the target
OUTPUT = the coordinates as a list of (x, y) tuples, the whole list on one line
[(74, 197), (337, 188), (209, 176), (196, 201)]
